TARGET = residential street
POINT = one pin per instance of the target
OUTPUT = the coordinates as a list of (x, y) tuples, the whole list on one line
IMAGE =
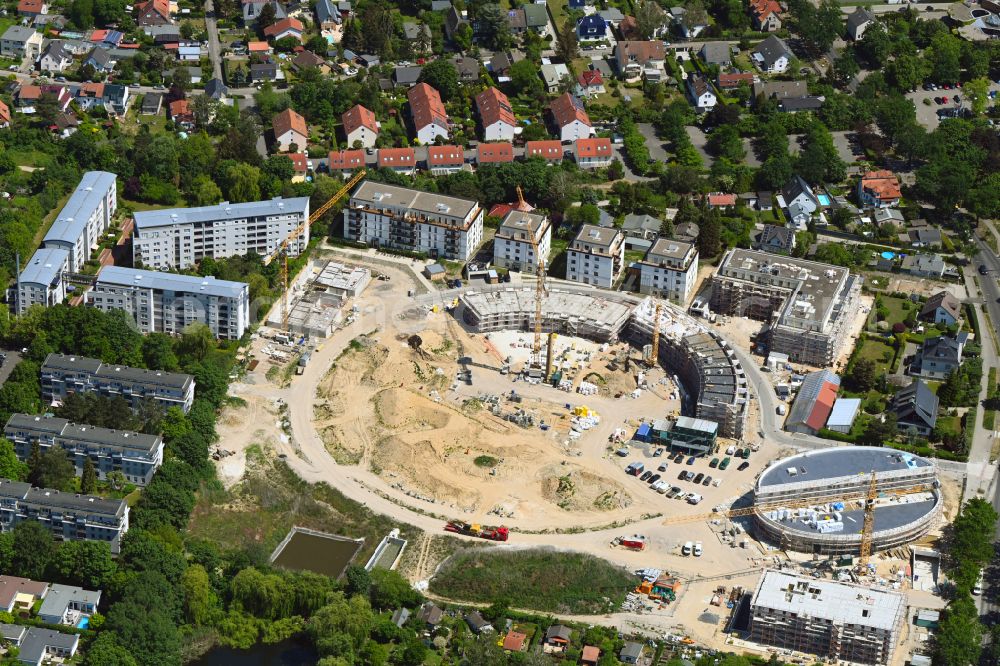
[(214, 51)]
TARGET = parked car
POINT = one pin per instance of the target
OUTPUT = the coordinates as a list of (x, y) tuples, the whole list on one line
[(645, 475), (714, 463), (688, 547), (697, 549), (690, 461), (983, 270), (743, 466), (654, 478), (683, 475), (698, 478), (707, 481), (688, 476), (694, 498), (673, 492), (662, 467), (658, 452)]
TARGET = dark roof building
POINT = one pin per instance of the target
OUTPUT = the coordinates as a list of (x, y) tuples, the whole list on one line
[(916, 406)]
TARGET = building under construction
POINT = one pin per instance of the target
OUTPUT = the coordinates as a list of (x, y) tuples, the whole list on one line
[(809, 307), (586, 314), (834, 621), (706, 365)]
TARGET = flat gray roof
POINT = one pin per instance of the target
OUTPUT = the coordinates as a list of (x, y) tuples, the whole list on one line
[(829, 600), (136, 375), (60, 596), (89, 195), (403, 197), (192, 284), (887, 517), (517, 225), (224, 211), (123, 439), (826, 464), (697, 424), (45, 265), (595, 236), (819, 282), (82, 503), (668, 248)]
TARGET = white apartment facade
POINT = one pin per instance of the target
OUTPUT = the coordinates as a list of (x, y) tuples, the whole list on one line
[(178, 238), (596, 256), (41, 280), (85, 218), (403, 219), (516, 240), (168, 303), (669, 270)]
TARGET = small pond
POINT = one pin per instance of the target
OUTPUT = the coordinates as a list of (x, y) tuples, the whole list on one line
[(285, 653), (308, 550)]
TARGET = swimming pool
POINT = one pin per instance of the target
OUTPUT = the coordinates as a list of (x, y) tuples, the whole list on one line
[(824, 199), (888, 255), (83, 623)]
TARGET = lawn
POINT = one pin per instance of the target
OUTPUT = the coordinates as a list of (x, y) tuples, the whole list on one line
[(47, 221), (556, 266), (898, 308), (537, 579), (879, 352), (557, 10)]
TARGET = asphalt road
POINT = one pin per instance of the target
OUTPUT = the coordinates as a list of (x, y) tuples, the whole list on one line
[(214, 50)]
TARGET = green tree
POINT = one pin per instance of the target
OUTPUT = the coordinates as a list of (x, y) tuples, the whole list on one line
[(442, 75), (494, 29), (85, 563), (10, 467), (266, 17), (567, 45), (819, 161), (107, 651), (977, 91), (709, 234), (53, 470), (200, 602), (958, 640), (878, 431), (243, 183), (524, 77), (944, 56), (726, 142), (158, 352), (32, 550), (88, 480), (650, 19), (863, 376)]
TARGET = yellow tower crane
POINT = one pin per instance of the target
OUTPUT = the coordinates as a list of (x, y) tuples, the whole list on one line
[(282, 249), (655, 347), (868, 527)]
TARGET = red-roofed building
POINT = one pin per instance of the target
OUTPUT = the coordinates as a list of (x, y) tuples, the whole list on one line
[(180, 113), (879, 189), (593, 153), (344, 162), (288, 27), (300, 164), (570, 118), (152, 12), (514, 641), (400, 160), (360, 126), (813, 403), (290, 129), (4, 115), (550, 151), (259, 47), (721, 200), (32, 8), (494, 153), (443, 160), (590, 83), (496, 115), (430, 120), (590, 655), (765, 15), (733, 80)]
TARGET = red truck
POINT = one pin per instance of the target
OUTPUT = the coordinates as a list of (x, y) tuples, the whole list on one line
[(473, 529), (634, 542)]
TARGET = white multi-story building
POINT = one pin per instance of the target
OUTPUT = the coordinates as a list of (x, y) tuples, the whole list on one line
[(596, 256), (41, 281), (496, 115), (168, 303), (516, 239), (403, 219), (669, 270), (85, 217), (180, 237)]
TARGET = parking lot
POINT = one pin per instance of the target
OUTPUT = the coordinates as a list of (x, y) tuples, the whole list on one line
[(12, 358), (927, 114)]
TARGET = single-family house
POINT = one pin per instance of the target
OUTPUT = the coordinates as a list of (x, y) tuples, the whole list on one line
[(700, 93), (19, 42), (290, 128), (631, 653), (720, 200), (515, 641), (20, 594), (453, 21), (589, 83), (590, 655), (406, 76), (253, 8), (152, 12), (430, 614), (496, 115), (570, 118), (494, 153), (37, 646), (100, 59), (634, 57), (591, 28), (445, 160), (32, 8), (800, 202), (923, 265), (287, 27), (733, 80), (300, 166), (152, 104), (477, 623), (361, 128), (591, 153), (772, 55), (414, 32), (891, 216), (327, 15), (686, 25), (612, 16), (517, 24), (938, 356), (468, 68), (765, 15), (430, 120), (400, 616), (55, 58), (924, 236), (344, 162), (536, 17), (715, 53), (4, 115), (685, 231), (68, 604), (90, 95), (306, 59), (916, 408), (216, 89), (400, 160), (879, 189), (646, 227), (259, 48), (263, 71), (181, 114), (858, 21), (551, 77), (549, 150), (557, 638), (941, 308), (780, 240)]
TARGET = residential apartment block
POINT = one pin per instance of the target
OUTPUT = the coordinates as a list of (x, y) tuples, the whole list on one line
[(168, 303), (596, 256), (810, 307), (41, 280), (68, 516), (834, 621), (403, 219), (85, 217), (180, 237), (133, 454), (62, 375), (669, 270), (520, 240)]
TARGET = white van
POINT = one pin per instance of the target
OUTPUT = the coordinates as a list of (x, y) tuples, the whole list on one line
[(694, 498), (978, 588), (688, 547), (697, 549)]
